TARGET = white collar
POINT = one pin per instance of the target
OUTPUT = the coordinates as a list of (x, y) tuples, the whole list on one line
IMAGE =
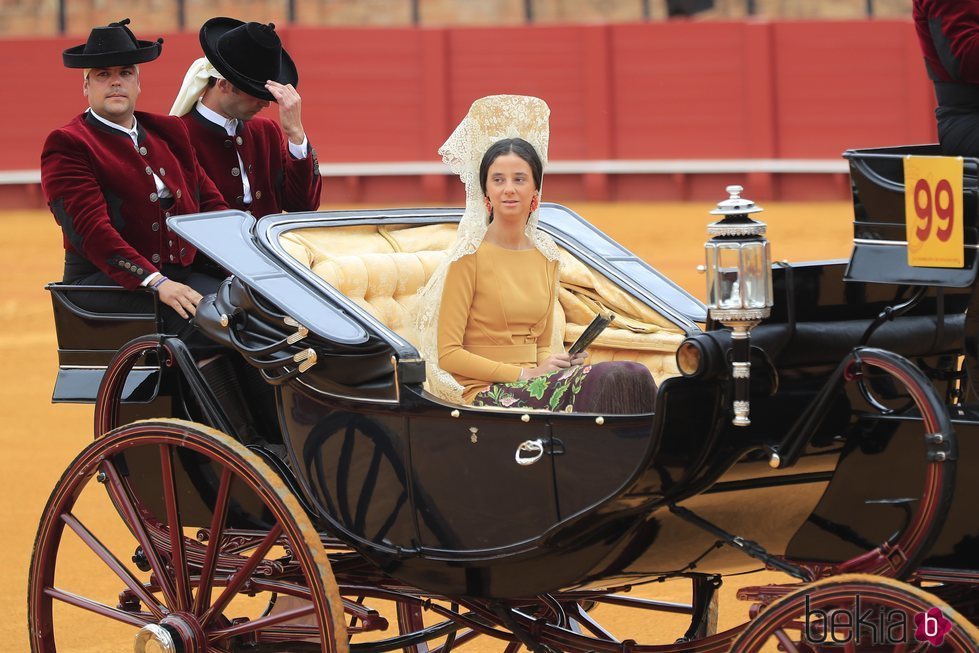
[(133, 133), (229, 125)]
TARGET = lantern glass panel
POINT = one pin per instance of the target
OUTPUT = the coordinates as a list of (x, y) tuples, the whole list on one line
[(755, 277), (723, 285)]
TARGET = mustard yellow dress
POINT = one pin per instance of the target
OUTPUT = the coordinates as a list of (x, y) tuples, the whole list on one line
[(497, 316)]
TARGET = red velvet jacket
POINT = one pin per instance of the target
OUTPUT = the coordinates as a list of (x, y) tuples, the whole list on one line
[(278, 181), (101, 191), (948, 31)]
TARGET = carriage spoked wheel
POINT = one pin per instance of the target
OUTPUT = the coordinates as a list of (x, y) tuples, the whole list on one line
[(858, 613), (107, 578)]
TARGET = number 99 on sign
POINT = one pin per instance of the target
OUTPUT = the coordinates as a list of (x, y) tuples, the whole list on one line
[(930, 204), (933, 211)]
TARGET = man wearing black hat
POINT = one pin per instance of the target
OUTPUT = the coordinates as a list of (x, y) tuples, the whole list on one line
[(113, 175), (258, 165)]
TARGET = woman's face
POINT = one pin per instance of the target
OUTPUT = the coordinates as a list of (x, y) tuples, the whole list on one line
[(510, 188)]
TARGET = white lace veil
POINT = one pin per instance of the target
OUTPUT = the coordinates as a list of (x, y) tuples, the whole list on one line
[(490, 119)]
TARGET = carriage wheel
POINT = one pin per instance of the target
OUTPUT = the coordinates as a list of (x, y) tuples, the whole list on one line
[(858, 612), (168, 598)]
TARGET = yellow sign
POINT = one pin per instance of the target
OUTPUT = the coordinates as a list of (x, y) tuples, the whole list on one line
[(933, 211)]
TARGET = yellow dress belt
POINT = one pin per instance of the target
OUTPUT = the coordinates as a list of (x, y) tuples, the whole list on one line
[(512, 354)]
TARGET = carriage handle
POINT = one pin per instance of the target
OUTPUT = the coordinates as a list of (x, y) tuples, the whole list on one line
[(534, 450)]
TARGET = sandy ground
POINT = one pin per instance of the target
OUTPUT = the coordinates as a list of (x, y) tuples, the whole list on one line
[(39, 439)]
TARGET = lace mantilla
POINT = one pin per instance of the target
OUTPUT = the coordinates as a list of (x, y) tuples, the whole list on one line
[(490, 119)]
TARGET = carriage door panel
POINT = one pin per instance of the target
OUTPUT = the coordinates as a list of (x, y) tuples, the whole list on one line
[(468, 490), (592, 460)]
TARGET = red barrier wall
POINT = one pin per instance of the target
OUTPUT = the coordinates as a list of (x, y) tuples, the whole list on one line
[(668, 90)]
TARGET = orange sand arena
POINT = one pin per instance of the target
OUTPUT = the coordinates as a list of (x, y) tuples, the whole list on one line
[(39, 439)]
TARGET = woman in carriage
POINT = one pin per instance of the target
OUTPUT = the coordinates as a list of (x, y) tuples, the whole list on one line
[(486, 316)]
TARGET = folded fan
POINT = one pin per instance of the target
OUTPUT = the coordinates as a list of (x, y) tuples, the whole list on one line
[(602, 319)]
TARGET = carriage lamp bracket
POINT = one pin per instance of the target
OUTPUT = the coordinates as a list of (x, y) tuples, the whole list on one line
[(746, 546)]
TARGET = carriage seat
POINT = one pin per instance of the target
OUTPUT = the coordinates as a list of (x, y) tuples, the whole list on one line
[(382, 269)]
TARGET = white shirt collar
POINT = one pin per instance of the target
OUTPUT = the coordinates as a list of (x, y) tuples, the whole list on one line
[(230, 125), (133, 133)]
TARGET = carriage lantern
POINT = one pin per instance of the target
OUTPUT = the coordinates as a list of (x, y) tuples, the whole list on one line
[(739, 284)]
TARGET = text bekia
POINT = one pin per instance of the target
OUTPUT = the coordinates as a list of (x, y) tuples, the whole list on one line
[(877, 625)]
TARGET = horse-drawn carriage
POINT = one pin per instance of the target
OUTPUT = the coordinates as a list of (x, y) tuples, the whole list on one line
[(362, 512)]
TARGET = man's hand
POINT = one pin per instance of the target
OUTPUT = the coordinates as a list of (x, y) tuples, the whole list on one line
[(179, 297), (290, 110)]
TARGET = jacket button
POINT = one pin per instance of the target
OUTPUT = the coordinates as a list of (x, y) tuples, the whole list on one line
[(171, 258), (170, 243), (235, 172), (258, 194), (183, 252), (155, 226), (139, 271), (228, 143), (122, 264), (179, 194), (250, 168), (154, 197), (166, 215), (149, 170), (142, 150), (155, 258), (163, 172), (239, 140), (240, 200)]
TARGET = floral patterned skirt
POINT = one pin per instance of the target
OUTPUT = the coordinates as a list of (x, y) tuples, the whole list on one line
[(612, 387)]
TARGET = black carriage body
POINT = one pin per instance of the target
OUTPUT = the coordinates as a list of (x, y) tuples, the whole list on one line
[(430, 492)]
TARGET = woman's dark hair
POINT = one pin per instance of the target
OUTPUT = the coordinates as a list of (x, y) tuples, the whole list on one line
[(518, 146)]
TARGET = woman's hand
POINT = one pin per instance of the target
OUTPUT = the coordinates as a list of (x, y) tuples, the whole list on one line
[(549, 364), (579, 358)]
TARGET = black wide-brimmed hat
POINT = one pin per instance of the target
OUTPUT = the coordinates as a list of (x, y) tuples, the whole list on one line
[(247, 54), (112, 45)]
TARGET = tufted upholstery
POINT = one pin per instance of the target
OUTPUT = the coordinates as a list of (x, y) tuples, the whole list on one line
[(381, 269)]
